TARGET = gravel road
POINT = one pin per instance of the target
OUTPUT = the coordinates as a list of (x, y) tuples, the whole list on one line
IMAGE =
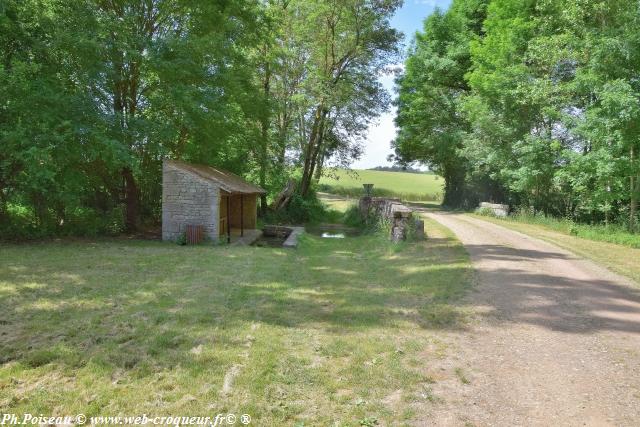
[(555, 339)]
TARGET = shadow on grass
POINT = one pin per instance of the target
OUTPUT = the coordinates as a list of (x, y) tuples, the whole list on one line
[(132, 306)]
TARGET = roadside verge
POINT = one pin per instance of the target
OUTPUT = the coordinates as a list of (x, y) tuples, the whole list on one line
[(618, 258)]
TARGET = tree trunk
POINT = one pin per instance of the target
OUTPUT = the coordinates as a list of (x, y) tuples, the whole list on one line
[(282, 149), (454, 196), (282, 199), (318, 173), (312, 149), (131, 195), (4, 216), (264, 136), (40, 208), (633, 185)]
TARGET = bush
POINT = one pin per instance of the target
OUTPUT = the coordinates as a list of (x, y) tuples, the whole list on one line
[(411, 230), (612, 233), (352, 217), (308, 209), (383, 226), (20, 223), (486, 212), (573, 230), (182, 239)]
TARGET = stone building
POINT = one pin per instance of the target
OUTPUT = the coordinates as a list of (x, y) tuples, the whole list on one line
[(224, 204)]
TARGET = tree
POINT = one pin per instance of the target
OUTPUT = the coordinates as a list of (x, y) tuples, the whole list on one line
[(115, 86), (539, 99), (431, 124), (348, 44), (50, 130)]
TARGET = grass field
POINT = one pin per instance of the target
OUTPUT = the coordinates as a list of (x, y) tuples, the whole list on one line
[(408, 186), (337, 332)]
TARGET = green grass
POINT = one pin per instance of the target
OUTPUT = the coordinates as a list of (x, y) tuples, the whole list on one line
[(407, 186), (337, 331), (602, 233), (337, 203), (613, 248)]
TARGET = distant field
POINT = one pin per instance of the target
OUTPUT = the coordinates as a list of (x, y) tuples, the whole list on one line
[(408, 186)]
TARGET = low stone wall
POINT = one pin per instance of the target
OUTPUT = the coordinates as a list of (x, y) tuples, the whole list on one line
[(290, 232), (498, 209), (401, 218)]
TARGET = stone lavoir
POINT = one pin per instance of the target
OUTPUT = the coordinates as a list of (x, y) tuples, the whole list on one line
[(223, 204)]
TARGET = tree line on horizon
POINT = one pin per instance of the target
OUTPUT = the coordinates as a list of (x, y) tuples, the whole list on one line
[(534, 103), (94, 94), (399, 168)]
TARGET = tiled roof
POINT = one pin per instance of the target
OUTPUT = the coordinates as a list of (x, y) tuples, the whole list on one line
[(229, 182)]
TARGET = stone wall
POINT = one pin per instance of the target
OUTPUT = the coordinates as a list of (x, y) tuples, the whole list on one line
[(188, 199), (400, 216), (498, 209)]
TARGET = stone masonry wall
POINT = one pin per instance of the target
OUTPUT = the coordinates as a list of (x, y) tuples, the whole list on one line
[(188, 199), (498, 209), (400, 216)]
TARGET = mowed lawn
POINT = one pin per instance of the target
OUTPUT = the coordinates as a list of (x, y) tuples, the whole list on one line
[(408, 186), (337, 332)]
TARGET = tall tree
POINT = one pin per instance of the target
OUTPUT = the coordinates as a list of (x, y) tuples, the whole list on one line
[(114, 86), (431, 123), (171, 56), (349, 43)]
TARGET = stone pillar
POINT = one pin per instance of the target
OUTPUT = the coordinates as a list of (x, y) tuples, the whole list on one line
[(364, 206)]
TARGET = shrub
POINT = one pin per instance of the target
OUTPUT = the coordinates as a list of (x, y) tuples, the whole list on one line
[(308, 209), (352, 217), (19, 223), (383, 226), (573, 230), (486, 212), (411, 230), (182, 239)]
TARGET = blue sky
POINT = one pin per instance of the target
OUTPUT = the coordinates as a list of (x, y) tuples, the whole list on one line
[(408, 19)]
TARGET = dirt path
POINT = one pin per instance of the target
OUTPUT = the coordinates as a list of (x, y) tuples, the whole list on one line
[(556, 340)]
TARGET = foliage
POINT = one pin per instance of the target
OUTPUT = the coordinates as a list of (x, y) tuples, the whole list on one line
[(544, 110), (353, 218), (355, 192), (382, 226), (182, 239), (94, 94), (411, 230), (431, 90), (400, 168), (611, 233), (301, 209), (485, 212), (346, 44), (21, 224)]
